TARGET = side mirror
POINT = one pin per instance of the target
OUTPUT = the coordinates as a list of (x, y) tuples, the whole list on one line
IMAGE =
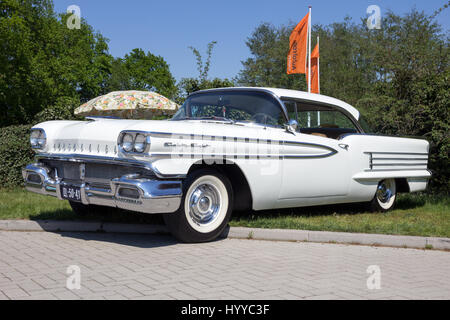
[(292, 126)]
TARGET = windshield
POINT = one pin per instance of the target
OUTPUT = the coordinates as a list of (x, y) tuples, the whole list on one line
[(237, 106)]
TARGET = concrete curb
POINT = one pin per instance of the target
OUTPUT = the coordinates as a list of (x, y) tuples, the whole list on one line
[(235, 233), (340, 237)]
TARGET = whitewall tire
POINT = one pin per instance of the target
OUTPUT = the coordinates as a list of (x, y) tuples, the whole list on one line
[(385, 196), (205, 208)]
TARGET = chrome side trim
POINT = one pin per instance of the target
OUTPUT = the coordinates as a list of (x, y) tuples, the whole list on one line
[(182, 136), (306, 144), (160, 156), (398, 164), (397, 153), (388, 170), (397, 161), (402, 159)]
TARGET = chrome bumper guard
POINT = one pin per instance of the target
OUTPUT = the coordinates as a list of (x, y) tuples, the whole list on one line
[(130, 192)]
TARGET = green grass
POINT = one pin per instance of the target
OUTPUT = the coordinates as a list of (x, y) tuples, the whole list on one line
[(21, 204), (415, 214)]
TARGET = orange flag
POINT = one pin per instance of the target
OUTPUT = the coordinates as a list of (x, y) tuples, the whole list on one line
[(315, 70), (296, 60)]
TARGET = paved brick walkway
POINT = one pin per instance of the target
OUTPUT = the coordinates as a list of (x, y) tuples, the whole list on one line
[(113, 266)]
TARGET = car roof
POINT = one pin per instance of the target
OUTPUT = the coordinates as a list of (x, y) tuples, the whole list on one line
[(300, 95)]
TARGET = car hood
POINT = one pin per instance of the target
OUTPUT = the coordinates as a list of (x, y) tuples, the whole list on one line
[(99, 137)]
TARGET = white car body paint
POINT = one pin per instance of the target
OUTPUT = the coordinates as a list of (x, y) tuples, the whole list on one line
[(293, 169)]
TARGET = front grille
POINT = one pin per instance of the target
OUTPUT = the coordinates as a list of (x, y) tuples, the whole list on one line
[(95, 173), (100, 185)]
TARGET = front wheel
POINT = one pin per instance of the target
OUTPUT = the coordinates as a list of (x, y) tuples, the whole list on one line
[(385, 196), (205, 208)]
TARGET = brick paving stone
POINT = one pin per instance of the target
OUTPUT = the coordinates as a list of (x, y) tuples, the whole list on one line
[(121, 266)]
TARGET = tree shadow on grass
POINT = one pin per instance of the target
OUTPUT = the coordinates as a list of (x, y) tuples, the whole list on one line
[(411, 201), (325, 210), (404, 202)]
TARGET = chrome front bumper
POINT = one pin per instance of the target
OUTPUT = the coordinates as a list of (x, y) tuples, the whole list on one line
[(129, 192)]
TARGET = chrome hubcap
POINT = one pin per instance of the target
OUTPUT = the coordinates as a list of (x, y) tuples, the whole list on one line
[(384, 192), (204, 204)]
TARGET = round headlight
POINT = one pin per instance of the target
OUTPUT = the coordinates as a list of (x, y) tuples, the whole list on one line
[(38, 139), (35, 134), (140, 143), (41, 141), (127, 142)]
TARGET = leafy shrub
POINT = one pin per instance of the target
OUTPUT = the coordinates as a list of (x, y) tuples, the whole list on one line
[(63, 109), (15, 149), (424, 114), (15, 153)]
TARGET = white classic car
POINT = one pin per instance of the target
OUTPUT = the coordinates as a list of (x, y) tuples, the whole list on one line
[(226, 149)]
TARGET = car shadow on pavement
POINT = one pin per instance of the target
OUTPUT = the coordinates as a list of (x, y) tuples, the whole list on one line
[(105, 214), (125, 239)]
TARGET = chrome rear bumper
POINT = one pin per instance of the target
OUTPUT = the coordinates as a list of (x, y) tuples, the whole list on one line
[(130, 192)]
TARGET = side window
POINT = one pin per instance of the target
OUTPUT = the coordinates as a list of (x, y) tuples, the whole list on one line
[(325, 119), (316, 116), (320, 120)]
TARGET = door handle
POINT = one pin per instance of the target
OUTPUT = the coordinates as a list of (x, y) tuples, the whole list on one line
[(344, 146)]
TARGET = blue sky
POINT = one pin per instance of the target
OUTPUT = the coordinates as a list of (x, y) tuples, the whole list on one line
[(169, 27)]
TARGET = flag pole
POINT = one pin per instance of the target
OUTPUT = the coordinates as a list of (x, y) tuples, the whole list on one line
[(318, 64), (309, 62), (309, 55), (318, 79)]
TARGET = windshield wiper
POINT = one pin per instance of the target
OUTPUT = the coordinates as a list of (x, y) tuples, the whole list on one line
[(214, 118)]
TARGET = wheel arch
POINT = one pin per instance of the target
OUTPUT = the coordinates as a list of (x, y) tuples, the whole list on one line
[(402, 185), (243, 199)]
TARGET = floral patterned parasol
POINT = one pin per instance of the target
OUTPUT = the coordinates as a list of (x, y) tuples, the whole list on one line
[(128, 105)]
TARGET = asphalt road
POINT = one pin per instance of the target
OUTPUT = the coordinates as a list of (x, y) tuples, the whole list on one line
[(42, 265)]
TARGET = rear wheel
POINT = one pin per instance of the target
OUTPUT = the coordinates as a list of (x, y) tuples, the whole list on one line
[(205, 208), (385, 196)]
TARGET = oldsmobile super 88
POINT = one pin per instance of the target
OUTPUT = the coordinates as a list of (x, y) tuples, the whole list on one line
[(224, 150)]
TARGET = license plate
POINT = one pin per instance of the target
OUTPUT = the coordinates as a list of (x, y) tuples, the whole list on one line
[(71, 193)]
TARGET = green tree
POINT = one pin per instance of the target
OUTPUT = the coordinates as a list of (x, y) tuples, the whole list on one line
[(41, 60), (142, 71), (189, 85), (269, 46)]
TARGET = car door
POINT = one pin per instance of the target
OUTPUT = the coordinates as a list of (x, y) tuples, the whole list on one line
[(316, 165)]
